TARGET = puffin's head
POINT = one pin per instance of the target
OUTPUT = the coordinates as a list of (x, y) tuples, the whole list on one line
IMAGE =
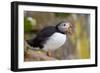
[(65, 27)]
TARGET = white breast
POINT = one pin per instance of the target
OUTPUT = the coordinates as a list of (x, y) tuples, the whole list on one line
[(55, 41)]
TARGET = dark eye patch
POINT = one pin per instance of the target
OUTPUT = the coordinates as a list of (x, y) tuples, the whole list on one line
[(64, 24)]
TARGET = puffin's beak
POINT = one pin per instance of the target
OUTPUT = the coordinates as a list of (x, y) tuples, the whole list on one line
[(69, 30)]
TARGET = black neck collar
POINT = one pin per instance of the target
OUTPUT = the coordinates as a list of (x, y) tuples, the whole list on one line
[(59, 30)]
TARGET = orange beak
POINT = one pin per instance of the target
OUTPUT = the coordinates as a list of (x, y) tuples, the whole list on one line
[(69, 29)]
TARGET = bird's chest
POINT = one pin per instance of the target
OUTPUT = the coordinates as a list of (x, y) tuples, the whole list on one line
[(55, 41)]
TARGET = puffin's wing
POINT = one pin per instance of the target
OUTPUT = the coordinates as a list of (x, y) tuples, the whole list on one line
[(44, 34)]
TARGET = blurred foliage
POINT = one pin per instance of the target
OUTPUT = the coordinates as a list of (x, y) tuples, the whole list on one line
[(62, 15), (81, 40), (82, 46), (27, 25)]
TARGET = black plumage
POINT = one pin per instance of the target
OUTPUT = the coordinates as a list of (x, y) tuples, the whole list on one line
[(42, 37)]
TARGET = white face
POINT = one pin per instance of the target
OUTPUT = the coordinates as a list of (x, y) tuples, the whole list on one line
[(64, 27)]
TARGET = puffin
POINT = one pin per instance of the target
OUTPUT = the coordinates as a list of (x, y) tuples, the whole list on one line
[(51, 38)]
